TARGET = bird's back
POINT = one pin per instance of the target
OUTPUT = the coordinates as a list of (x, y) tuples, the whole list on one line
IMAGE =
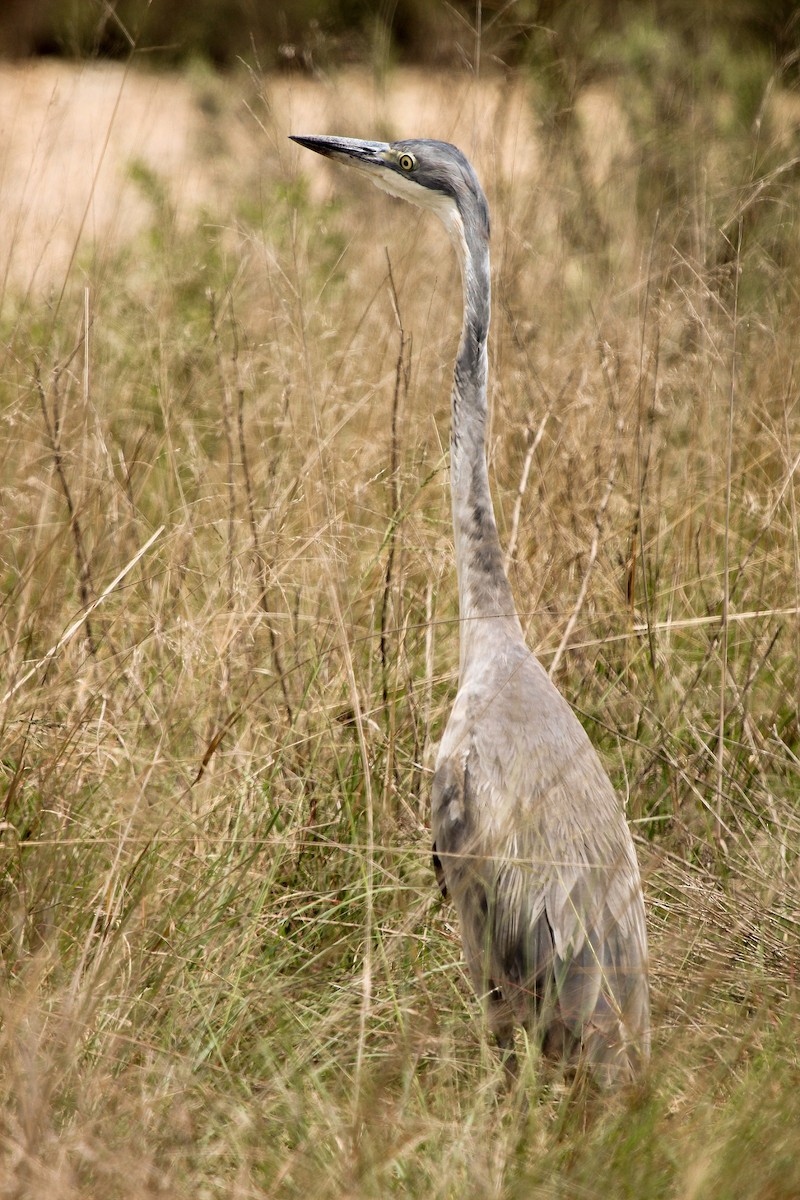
[(538, 858)]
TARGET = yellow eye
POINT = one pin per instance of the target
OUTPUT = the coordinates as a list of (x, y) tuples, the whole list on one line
[(407, 162)]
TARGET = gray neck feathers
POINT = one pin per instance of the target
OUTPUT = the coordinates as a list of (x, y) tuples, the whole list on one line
[(485, 600)]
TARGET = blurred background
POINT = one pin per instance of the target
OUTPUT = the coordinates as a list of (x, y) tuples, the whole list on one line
[(317, 34)]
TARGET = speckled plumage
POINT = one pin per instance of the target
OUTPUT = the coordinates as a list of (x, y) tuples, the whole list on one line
[(530, 840)]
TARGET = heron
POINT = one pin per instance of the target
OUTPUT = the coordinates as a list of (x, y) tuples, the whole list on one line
[(530, 839)]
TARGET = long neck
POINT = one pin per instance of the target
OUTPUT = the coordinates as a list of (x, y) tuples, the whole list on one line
[(486, 605)]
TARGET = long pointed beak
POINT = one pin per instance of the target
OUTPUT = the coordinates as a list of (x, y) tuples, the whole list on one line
[(347, 150)]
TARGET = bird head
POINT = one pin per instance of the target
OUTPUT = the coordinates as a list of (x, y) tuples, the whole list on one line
[(430, 174)]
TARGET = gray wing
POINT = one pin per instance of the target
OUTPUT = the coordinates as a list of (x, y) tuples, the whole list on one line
[(535, 852)]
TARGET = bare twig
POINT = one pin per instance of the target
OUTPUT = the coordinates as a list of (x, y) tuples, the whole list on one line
[(402, 371), (53, 426), (640, 627), (533, 446), (726, 582), (258, 553), (593, 549), (227, 427), (83, 618), (643, 454)]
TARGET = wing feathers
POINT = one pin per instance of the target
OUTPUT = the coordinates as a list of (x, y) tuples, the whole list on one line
[(544, 875)]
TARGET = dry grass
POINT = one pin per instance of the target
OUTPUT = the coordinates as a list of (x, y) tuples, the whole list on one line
[(226, 968)]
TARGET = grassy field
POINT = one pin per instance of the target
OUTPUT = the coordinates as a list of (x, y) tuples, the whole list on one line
[(227, 971)]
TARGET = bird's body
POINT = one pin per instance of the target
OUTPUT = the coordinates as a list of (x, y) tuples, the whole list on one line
[(535, 851), (530, 840)]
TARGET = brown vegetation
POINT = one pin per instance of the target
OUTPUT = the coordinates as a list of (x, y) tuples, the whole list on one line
[(226, 968)]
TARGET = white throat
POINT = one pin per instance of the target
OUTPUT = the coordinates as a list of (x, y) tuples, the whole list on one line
[(442, 205)]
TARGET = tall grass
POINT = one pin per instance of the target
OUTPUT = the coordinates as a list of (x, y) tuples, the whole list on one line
[(226, 967)]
